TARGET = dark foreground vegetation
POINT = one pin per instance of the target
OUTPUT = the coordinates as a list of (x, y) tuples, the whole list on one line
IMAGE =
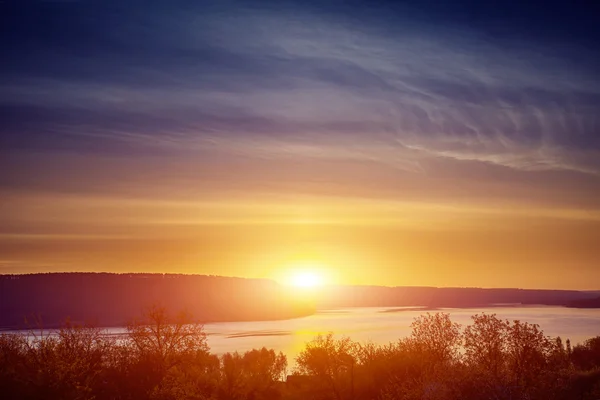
[(163, 357)]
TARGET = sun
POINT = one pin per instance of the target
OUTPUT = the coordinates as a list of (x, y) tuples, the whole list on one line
[(303, 275), (306, 279)]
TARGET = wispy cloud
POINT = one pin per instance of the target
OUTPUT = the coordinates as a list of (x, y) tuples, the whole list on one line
[(284, 82)]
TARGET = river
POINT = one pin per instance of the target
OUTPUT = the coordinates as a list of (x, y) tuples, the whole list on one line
[(383, 325)]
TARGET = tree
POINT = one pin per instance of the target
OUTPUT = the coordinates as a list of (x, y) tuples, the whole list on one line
[(331, 363), (252, 376), (436, 337), (164, 344), (232, 386), (263, 369), (65, 364), (528, 351), (587, 355), (166, 339), (13, 363), (485, 344)]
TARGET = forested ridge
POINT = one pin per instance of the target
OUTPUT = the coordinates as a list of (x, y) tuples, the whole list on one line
[(108, 299)]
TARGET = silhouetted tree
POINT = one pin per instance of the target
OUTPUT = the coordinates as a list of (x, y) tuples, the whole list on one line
[(436, 338), (160, 344), (331, 363), (587, 355), (528, 351), (253, 376)]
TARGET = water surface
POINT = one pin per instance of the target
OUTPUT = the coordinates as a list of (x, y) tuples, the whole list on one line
[(383, 325)]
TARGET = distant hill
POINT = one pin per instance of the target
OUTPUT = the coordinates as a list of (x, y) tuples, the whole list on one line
[(113, 299), (377, 296), (585, 303)]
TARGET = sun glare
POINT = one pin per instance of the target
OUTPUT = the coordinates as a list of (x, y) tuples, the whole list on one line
[(306, 279), (304, 275)]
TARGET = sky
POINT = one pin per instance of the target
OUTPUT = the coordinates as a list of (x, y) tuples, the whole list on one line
[(394, 143)]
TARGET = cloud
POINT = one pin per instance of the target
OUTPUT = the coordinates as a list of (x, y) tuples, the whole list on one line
[(288, 82)]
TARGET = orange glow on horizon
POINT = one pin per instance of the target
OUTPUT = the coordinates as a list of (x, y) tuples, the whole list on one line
[(343, 241)]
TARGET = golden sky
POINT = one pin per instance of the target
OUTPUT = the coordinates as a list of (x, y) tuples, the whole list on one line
[(385, 146), (353, 224)]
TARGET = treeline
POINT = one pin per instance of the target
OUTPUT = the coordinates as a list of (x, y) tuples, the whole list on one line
[(163, 357), (112, 299), (585, 303), (378, 296)]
